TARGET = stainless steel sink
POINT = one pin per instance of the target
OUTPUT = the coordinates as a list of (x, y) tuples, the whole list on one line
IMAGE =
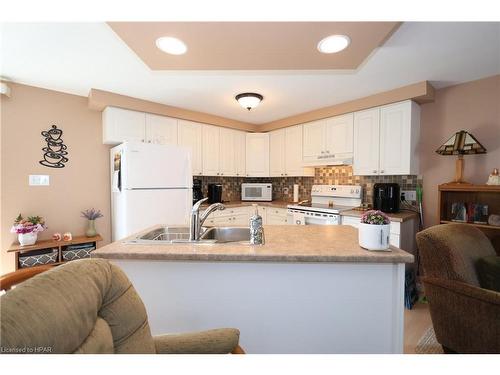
[(227, 234), (166, 234), (172, 235)]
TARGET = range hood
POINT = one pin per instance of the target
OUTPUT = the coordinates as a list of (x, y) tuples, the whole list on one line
[(345, 158)]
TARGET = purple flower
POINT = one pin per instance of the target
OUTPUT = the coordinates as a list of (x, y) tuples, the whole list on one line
[(375, 217), (92, 214)]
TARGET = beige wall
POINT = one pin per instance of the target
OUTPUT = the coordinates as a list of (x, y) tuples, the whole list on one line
[(472, 106), (82, 184)]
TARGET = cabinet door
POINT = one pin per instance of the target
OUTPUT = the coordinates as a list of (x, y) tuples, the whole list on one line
[(293, 153), (227, 154), (277, 153), (339, 134), (210, 150), (120, 125), (161, 129), (351, 220), (189, 135), (239, 153), (276, 216), (366, 142), (314, 140), (257, 154), (395, 131)]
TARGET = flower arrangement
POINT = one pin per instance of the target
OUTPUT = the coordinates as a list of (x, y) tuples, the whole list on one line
[(32, 224), (92, 214), (375, 217)]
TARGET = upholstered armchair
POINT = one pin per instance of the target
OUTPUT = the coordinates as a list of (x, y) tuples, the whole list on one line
[(466, 317), (90, 306)]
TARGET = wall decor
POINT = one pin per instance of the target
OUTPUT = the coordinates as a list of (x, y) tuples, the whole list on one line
[(55, 153)]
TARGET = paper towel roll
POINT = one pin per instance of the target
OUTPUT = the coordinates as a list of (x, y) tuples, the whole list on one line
[(295, 192)]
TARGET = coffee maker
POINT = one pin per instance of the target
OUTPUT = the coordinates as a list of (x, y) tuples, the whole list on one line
[(197, 193), (386, 197)]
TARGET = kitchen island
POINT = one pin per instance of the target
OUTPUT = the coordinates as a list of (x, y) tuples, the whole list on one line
[(309, 289)]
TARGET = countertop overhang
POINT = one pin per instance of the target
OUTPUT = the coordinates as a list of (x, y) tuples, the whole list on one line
[(284, 243)]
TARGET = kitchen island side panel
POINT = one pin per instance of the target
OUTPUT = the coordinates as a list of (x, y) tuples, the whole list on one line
[(278, 307)]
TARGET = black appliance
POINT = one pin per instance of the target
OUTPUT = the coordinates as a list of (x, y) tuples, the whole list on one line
[(214, 193), (197, 193), (386, 197)]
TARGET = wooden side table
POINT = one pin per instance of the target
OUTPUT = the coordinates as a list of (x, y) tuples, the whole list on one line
[(58, 246)]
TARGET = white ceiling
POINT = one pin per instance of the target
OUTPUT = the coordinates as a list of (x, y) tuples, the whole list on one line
[(75, 57)]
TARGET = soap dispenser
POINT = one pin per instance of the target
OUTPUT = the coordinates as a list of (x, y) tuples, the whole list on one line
[(256, 228)]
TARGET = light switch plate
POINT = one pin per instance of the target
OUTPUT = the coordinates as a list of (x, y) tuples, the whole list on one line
[(39, 180)]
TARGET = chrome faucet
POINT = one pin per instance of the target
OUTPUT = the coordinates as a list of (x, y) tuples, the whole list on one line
[(198, 219)]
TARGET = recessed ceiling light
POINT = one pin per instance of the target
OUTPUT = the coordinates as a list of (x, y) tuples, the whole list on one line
[(334, 43), (171, 45), (249, 100)]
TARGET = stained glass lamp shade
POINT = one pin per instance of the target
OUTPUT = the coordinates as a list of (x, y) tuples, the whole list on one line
[(461, 143)]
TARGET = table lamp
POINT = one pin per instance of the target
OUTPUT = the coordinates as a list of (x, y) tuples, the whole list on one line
[(461, 143)]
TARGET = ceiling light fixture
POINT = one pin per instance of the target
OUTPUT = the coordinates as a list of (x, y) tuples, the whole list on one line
[(249, 100), (171, 45), (334, 43)]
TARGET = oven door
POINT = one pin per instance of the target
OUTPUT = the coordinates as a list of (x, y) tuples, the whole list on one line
[(300, 217)]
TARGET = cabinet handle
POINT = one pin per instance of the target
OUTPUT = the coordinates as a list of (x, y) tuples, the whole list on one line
[(327, 152), (374, 171), (322, 152), (217, 173), (382, 171), (286, 174), (222, 174), (142, 140), (149, 141)]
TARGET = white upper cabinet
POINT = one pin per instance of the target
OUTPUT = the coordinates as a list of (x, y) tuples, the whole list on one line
[(189, 135), (211, 150), (339, 135), (161, 129), (385, 140), (277, 153), (329, 141), (366, 142), (227, 153), (120, 125), (257, 154), (399, 134), (293, 152), (239, 153), (314, 141)]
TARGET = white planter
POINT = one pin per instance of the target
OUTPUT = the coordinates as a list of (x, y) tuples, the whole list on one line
[(26, 239), (374, 237)]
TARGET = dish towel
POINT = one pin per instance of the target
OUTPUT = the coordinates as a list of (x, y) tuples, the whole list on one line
[(299, 218)]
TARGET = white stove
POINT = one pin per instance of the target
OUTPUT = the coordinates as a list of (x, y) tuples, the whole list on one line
[(327, 202)]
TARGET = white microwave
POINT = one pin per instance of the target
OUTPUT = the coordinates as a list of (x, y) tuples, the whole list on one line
[(256, 192)]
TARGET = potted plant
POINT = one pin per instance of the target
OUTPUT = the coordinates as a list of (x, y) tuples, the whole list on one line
[(27, 229), (91, 215), (374, 230)]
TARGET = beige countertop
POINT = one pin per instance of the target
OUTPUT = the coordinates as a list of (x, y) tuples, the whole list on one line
[(396, 217), (276, 204), (284, 243)]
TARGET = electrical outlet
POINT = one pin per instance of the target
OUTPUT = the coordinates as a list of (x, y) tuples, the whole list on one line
[(410, 195), (285, 190)]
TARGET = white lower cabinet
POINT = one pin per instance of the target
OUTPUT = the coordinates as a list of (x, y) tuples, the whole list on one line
[(276, 216), (240, 216)]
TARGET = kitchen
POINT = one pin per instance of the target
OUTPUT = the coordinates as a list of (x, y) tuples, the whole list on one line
[(229, 208)]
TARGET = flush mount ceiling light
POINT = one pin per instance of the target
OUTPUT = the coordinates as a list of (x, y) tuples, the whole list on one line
[(334, 43), (171, 45), (249, 100)]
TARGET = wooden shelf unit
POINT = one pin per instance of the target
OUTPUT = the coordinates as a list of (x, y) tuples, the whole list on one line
[(51, 244), (482, 194)]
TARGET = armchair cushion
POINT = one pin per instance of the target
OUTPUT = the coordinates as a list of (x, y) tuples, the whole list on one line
[(215, 341), (488, 269)]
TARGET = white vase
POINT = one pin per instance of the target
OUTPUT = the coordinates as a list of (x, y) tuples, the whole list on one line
[(26, 239), (374, 237)]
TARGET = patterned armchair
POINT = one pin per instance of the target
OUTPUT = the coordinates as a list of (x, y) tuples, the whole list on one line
[(89, 306), (466, 317)]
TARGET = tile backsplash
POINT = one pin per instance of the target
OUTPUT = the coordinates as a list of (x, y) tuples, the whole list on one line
[(283, 186)]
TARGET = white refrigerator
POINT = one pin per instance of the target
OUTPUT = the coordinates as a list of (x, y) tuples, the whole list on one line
[(150, 184)]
